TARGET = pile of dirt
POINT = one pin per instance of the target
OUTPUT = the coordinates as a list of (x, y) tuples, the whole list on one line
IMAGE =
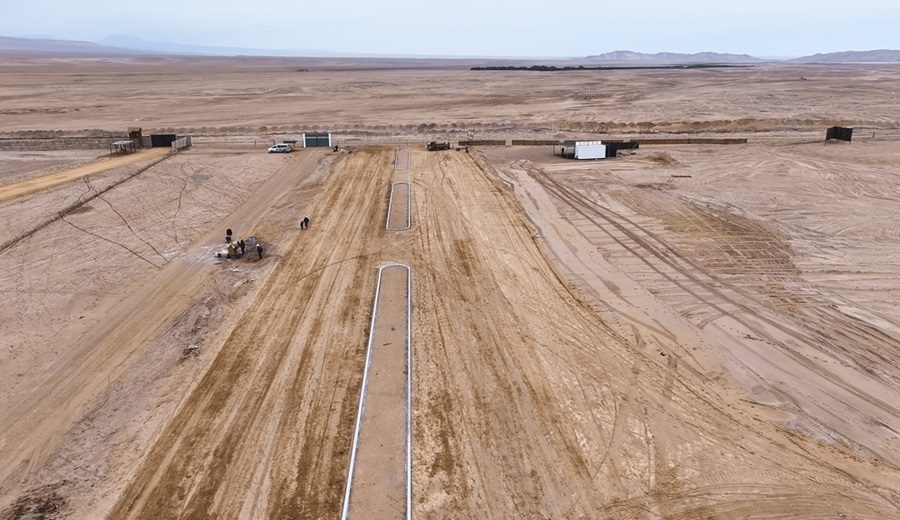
[(663, 158)]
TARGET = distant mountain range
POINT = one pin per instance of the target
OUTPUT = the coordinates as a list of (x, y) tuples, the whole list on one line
[(48, 46), (146, 46), (878, 56), (671, 58), (127, 45)]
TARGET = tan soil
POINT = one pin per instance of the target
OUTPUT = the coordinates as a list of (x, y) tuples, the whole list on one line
[(219, 96), (18, 166), (102, 368), (710, 332), (600, 413), (379, 478), (267, 431), (33, 185), (398, 216)]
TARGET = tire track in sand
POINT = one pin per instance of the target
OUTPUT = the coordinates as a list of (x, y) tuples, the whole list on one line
[(266, 433), (29, 186), (34, 425), (693, 275), (528, 406)]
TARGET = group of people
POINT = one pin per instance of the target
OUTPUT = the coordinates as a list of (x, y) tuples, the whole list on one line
[(240, 244)]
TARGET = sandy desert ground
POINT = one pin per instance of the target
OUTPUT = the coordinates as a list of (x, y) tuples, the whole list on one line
[(687, 331), (219, 96)]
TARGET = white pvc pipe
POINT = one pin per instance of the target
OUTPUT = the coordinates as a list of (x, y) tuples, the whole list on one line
[(409, 369), (345, 512), (387, 223)]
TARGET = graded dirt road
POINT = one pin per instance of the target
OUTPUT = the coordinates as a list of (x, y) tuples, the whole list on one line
[(533, 396), (37, 419), (25, 164), (267, 431), (378, 483), (529, 403), (732, 276), (399, 217), (686, 332), (29, 186)]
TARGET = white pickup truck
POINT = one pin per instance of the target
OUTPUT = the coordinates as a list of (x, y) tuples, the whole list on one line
[(281, 148)]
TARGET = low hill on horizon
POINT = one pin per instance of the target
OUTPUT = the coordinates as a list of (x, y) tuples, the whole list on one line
[(147, 46), (130, 46), (876, 56), (671, 57), (50, 46)]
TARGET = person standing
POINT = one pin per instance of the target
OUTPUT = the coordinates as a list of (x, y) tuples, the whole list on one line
[(306, 222), (259, 251), (242, 246)]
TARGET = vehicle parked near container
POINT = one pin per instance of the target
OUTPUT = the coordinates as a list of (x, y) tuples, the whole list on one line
[(281, 148)]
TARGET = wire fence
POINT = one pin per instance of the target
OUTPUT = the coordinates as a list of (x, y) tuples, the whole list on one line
[(262, 141)]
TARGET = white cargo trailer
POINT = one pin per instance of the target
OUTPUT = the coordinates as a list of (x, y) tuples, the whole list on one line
[(590, 150)]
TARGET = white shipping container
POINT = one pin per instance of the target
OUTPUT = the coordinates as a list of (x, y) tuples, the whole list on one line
[(590, 150)]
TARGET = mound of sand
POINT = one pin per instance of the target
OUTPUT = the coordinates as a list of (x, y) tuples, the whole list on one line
[(663, 159)]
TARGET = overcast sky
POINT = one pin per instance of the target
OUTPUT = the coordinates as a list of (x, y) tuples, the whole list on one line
[(470, 27)]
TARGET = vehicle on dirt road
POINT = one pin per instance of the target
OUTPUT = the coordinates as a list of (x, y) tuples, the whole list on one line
[(281, 148), (434, 146)]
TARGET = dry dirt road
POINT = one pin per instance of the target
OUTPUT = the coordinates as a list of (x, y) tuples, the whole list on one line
[(266, 432), (527, 401), (399, 218), (65, 391), (20, 165), (530, 404), (377, 481), (736, 275), (550, 380), (29, 186)]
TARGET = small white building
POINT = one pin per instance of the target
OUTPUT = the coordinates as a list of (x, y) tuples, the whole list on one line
[(590, 150)]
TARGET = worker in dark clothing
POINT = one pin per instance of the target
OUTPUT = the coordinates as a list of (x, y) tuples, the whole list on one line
[(305, 222), (259, 251), (228, 235), (242, 246)]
